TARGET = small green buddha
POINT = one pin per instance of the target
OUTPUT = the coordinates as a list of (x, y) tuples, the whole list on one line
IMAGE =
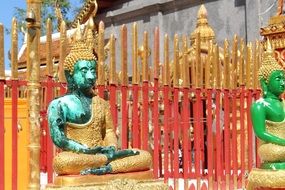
[(81, 124), (268, 114)]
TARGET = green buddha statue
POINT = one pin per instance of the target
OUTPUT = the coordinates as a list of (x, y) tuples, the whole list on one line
[(268, 114), (81, 124), (268, 119)]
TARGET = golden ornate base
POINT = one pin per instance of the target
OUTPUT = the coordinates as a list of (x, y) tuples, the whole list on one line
[(124, 184), (133, 180), (73, 180), (261, 179)]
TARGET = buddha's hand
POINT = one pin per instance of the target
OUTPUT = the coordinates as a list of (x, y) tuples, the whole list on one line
[(112, 154), (93, 150)]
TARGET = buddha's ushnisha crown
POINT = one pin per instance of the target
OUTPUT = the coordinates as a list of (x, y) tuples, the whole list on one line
[(269, 64), (81, 50)]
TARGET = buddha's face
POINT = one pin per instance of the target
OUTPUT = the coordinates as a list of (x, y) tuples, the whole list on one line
[(84, 75), (276, 83)]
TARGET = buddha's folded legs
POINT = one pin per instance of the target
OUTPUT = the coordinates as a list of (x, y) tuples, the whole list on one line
[(271, 152), (140, 162), (73, 163), (272, 156)]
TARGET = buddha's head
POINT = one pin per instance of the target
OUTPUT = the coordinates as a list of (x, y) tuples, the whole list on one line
[(271, 76), (80, 68)]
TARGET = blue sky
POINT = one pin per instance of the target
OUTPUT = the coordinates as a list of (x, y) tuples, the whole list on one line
[(7, 11), (6, 15)]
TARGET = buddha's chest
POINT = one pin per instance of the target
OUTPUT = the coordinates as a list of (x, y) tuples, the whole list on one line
[(78, 112), (276, 112), (90, 132)]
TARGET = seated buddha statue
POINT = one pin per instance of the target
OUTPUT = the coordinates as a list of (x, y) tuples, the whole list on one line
[(81, 124), (268, 114)]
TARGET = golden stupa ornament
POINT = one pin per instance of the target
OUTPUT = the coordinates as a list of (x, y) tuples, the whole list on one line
[(202, 27)]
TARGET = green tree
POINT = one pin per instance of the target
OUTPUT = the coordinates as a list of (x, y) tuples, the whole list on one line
[(67, 9)]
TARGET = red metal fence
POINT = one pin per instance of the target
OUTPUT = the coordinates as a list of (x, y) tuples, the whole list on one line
[(203, 136)]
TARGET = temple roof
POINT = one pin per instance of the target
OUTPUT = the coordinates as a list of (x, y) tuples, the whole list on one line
[(275, 30), (22, 58), (276, 26)]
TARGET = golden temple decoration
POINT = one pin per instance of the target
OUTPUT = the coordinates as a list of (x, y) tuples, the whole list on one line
[(34, 91), (62, 49), (135, 79), (241, 62), (197, 55), (156, 53), (280, 7), (88, 10), (202, 27), (275, 32), (175, 62), (14, 52), (185, 70), (199, 67), (145, 57), (101, 54), (226, 70), (49, 63), (125, 184), (112, 73), (90, 40), (166, 77), (234, 62), (124, 56), (58, 14), (248, 67)]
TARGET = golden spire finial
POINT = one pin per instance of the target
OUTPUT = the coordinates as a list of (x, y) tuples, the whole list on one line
[(269, 50), (202, 13), (202, 27), (90, 24), (202, 16), (78, 35), (89, 34)]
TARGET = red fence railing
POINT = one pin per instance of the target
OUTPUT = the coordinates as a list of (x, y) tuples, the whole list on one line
[(203, 136)]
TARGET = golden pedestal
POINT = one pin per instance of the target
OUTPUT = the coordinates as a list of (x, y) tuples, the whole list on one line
[(135, 180), (261, 179)]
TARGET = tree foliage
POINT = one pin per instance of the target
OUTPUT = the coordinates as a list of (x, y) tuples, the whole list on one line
[(68, 11)]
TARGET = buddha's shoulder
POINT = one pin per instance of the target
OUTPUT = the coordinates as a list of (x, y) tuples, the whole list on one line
[(100, 101), (260, 103), (266, 104), (64, 100)]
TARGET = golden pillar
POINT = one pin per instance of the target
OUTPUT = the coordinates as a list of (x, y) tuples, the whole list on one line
[(33, 70)]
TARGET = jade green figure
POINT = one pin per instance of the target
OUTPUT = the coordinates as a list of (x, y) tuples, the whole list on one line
[(268, 114), (82, 127)]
